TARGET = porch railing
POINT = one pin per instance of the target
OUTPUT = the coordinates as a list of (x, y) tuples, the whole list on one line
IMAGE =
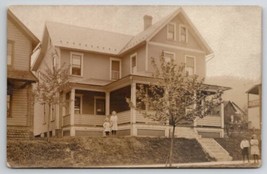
[(141, 119), (66, 120), (90, 120), (254, 103), (210, 121), (124, 117)]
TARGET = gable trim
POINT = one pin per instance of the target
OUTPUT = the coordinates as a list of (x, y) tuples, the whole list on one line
[(198, 35), (176, 47)]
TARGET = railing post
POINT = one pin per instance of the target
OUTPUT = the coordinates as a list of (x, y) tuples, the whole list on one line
[(72, 102)]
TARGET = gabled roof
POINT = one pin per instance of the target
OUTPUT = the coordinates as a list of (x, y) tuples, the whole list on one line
[(34, 39), (254, 89), (82, 38), (150, 32)]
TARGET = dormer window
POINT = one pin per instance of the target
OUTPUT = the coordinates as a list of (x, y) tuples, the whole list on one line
[(190, 68), (168, 56), (183, 34), (76, 62), (171, 31)]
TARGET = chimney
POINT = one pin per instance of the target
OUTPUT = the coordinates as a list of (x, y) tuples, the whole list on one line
[(147, 21)]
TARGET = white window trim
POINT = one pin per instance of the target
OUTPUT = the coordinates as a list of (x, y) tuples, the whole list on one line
[(81, 103), (98, 97), (80, 54), (110, 66), (174, 24), (169, 52), (131, 68), (195, 67), (186, 32)]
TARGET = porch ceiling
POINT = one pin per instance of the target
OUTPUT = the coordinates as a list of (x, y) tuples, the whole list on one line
[(254, 89)]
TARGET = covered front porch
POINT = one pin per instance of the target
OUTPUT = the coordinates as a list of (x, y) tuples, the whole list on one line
[(87, 106)]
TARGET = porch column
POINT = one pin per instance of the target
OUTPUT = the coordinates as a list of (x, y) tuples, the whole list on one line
[(133, 111), (72, 100), (107, 103), (222, 115)]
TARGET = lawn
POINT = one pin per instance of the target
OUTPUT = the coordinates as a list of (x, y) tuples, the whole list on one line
[(88, 152)]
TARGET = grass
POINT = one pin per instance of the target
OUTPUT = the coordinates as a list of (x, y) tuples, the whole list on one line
[(88, 152), (232, 143)]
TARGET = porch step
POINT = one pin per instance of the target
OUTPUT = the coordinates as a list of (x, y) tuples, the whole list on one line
[(214, 149), (19, 133)]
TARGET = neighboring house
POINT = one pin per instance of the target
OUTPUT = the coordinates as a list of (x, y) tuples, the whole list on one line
[(106, 68), (254, 106), (20, 45)]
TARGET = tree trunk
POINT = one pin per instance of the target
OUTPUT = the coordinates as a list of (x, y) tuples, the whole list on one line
[(171, 146), (48, 122)]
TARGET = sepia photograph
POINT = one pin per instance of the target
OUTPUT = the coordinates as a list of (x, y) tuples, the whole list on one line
[(134, 86)]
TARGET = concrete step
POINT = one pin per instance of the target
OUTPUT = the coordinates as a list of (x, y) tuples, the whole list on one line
[(214, 149)]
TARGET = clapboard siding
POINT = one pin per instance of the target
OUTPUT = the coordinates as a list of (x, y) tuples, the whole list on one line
[(22, 47), (19, 108)]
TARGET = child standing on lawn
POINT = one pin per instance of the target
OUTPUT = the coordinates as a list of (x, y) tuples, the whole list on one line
[(255, 152), (106, 126), (244, 145)]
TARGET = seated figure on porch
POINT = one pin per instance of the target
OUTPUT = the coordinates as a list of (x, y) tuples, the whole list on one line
[(114, 122), (106, 126)]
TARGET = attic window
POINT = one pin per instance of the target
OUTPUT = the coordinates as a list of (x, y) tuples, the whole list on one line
[(10, 52), (171, 31), (76, 64), (183, 34)]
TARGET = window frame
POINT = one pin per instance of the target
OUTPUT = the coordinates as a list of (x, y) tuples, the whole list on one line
[(180, 33), (174, 32), (12, 42), (79, 54), (131, 63), (81, 103), (195, 69), (169, 52), (110, 70)]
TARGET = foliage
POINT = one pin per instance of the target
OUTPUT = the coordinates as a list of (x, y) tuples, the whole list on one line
[(174, 95), (51, 82)]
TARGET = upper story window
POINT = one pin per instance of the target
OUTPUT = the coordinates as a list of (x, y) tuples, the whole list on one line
[(54, 61), (78, 104), (183, 34), (76, 62), (10, 52), (168, 56), (133, 65), (171, 31), (115, 68), (190, 68)]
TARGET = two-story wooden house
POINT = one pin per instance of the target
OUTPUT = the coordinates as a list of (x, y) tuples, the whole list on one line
[(106, 67), (20, 45)]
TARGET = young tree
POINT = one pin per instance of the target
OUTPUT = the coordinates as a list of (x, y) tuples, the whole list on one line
[(51, 82), (174, 96)]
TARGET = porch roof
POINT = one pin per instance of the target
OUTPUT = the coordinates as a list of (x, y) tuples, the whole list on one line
[(254, 89), (21, 75), (109, 85)]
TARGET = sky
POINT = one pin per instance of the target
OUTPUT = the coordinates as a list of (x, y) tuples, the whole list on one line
[(233, 32)]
